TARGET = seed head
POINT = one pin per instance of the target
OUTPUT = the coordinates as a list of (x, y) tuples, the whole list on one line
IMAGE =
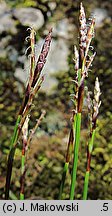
[(96, 102), (83, 31), (97, 92), (42, 57)]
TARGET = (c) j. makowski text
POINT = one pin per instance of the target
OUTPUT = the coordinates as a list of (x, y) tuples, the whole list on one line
[(53, 207)]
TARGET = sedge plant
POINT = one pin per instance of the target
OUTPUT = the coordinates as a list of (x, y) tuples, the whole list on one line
[(93, 110), (34, 83), (83, 62), (83, 58)]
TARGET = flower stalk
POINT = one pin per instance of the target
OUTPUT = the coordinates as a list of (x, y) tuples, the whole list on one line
[(93, 120), (33, 86), (86, 35), (26, 138), (67, 161), (24, 148)]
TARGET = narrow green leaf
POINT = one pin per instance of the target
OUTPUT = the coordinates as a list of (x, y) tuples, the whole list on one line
[(86, 182), (65, 169), (76, 151)]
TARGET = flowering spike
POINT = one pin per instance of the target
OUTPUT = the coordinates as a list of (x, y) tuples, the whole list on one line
[(90, 35), (96, 102), (42, 58), (83, 32)]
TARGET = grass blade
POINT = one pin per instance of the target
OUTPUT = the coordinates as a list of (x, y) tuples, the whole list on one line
[(86, 182), (89, 151), (65, 170), (76, 150), (66, 165), (93, 119), (11, 157)]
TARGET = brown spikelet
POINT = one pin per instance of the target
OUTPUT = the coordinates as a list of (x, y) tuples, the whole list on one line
[(42, 57), (39, 66)]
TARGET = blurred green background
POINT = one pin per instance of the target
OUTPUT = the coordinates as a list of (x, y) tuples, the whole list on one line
[(48, 147)]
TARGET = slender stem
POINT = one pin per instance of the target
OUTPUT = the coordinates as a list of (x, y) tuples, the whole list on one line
[(35, 127), (86, 182), (68, 158), (11, 156), (76, 150), (65, 169), (16, 132), (89, 151), (26, 140), (23, 158), (91, 141), (22, 174), (21, 196)]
